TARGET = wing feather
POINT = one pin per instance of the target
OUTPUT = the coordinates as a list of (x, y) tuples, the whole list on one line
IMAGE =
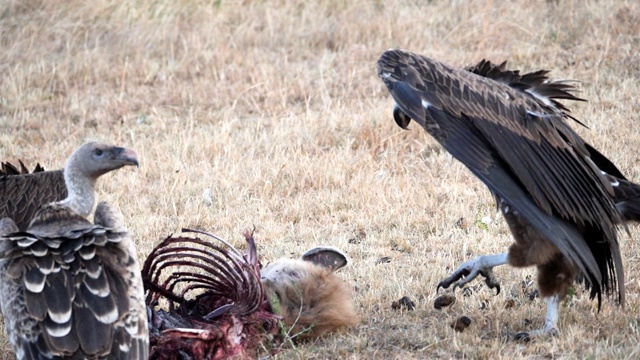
[(21, 195), (85, 300)]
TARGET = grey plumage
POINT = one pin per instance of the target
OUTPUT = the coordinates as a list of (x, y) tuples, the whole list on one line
[(23, 193), (72, 288)]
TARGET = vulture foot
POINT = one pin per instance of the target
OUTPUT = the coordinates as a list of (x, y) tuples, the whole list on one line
[(550, 324), (482, 265)]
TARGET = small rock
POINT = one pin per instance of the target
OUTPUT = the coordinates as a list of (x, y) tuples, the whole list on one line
[(404, 303), (462, 223), (444, 301), (383, 260), (510, 303), (208, 198), (486, 220), (462, 323)]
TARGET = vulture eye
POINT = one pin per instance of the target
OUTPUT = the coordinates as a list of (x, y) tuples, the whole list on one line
[(98, 152)]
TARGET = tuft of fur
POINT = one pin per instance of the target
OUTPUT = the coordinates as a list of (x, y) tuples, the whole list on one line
[(311, 299)]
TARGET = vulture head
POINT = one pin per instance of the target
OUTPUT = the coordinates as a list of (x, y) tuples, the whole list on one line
[(94, 159), (83, 168)]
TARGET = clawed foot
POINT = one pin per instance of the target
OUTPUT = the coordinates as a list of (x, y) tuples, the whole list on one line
[(482, 265), (550, 322), (528, 336)]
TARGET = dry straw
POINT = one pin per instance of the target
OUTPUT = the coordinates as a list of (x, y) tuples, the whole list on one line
[(270, 114)]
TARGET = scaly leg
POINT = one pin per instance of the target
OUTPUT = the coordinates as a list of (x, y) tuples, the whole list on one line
[(482, 265), (550, 321)]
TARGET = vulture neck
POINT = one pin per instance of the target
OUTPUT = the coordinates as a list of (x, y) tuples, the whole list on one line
[(80, 188)]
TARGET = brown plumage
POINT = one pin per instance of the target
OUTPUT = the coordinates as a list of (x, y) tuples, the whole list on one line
[(626, 193), (72, 288), (23, 193), (7, 168), (510, 131), (207, 301)]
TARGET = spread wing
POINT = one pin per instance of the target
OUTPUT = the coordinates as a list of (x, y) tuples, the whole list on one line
[(73, 282), (518, 143)]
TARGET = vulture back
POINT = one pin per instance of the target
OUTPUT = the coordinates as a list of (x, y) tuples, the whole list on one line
[(23, 193)]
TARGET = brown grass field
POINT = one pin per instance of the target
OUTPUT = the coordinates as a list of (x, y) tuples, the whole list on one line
[(273, 110)]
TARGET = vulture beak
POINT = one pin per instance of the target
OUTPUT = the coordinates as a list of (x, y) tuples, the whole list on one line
[(125, 156), (401, 118)]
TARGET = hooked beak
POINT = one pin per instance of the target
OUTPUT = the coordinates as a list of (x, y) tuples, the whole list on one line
[(401, 118), (125, 156)]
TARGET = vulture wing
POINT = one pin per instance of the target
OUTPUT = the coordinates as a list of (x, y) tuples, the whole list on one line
[(512, 134), (22, 193), (76, 284), (627, 193)]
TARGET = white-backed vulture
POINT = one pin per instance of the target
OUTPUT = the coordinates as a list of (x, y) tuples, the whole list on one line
[(72, 288)]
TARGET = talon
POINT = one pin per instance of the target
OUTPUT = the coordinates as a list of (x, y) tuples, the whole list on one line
[(468, 271), (453, 278), (490, 280)]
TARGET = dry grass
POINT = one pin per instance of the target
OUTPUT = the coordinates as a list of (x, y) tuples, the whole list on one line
[(275, 107)]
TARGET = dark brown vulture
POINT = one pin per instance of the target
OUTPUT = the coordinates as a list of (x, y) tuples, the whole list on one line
[(562, 199), (208, 301), (72, 288)]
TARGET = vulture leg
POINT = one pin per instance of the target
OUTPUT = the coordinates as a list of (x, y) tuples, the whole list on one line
[(550, 321), (481, 265)]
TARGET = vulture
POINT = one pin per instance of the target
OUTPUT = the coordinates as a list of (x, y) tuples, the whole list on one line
[(562, 199), (72, 288), (206, 300)]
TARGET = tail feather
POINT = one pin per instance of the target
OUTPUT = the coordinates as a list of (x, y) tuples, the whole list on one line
[(7, 168)]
